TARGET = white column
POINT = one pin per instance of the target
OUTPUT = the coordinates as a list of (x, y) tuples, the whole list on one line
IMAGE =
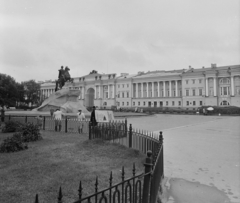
[(95, 93), (152, 89), (158, 90), (83, 92), (176, 88), (214, 87), (108, 91), (113, 91), (136, 90), (232, 86), (100, 91), (147, 89), (206, 87), (170, 88), (142, 89), (164, 89)]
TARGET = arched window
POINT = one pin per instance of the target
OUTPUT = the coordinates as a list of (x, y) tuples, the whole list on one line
[(224, 103), (224, 81)]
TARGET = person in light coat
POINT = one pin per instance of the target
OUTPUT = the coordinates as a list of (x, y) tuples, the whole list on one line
[(81, 119)]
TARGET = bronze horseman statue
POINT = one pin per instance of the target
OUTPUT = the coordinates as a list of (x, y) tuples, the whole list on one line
[(63, 76)]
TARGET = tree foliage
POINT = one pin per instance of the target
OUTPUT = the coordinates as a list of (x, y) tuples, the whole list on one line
[(31, 91), (8, 90)]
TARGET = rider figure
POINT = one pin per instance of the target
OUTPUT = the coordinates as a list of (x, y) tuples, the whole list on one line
[(61, 73)]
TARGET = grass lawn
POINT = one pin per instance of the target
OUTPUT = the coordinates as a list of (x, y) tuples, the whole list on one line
[(62, 160)]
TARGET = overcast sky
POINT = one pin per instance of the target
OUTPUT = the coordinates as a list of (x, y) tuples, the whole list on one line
[(37, 37)]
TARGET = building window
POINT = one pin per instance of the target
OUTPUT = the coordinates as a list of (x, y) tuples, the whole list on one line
[(168, 93), (194, 103), (180, 93), (123, 85), (186, 81), (166, 103), (127, 85), (200, 92), (187, 92), (138, 103), (144, 103), (118, 86), (211, 91), (193, 81), (127, 103), (225, 91), (122, 94), (133, 103), (193, 92), (200, 103), (238, 90), (122, 103), (106, 94), (224, 81), (127, 94), (187, 103), (179, 103), (173, 103), (174, 93), (200, 81)]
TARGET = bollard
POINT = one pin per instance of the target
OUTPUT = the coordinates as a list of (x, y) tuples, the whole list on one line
[(130, 136)]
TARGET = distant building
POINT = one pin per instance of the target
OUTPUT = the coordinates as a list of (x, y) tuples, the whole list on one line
[(190, 88)]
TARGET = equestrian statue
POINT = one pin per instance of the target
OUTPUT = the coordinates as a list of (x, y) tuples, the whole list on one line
[(63, 76)]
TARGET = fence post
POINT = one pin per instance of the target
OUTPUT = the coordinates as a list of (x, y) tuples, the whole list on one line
[(44, 122), (126, 127), (147, 178), (162, 158), (130, 136), (66, 124), (90, 132)]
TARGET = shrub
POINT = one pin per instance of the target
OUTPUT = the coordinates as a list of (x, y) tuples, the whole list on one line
[(11, 126), (30, 132), (13, 144)]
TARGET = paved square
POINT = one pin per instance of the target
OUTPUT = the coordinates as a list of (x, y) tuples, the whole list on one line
[(198, 148)]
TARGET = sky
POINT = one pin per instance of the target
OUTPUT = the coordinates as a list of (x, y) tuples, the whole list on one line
[(37, 37)]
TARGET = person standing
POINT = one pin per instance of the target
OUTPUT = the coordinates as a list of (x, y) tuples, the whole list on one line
[(57, 115), (81, 119), (93, 117), (51, 112)]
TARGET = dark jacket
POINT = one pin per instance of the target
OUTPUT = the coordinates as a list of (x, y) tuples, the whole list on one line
[(93, 118)]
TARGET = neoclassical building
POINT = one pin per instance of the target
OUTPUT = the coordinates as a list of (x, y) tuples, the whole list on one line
[(189, 88)]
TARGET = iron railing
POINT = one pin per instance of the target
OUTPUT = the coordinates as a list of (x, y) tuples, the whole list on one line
[(132, 189)]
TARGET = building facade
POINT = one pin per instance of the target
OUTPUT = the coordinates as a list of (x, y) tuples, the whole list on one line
[(188, 88)]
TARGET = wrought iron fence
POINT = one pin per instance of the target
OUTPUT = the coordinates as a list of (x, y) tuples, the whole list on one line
[(132, 189)]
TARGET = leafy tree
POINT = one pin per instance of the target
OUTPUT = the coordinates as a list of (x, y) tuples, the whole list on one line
[(8, 90), (31, 92)]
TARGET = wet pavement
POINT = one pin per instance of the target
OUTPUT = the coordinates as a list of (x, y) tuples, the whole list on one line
[(198, 150)]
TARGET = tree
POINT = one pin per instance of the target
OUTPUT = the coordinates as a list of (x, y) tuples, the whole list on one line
[(8, 90), (31, 92)]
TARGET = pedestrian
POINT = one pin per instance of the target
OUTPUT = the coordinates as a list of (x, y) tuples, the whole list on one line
[(57, 115), (93, 117), (39, 121), (51, 112), (81, 119)]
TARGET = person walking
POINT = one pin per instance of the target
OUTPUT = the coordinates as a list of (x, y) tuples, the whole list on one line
[(81, 119), (57, 116), (93, 117), (51, 112)]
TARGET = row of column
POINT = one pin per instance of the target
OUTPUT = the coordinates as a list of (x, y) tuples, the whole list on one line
[(100, 91), (158, 88), (215, 86), (47, 92)]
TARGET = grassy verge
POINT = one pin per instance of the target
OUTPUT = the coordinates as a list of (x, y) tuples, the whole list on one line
[(62, 160)]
